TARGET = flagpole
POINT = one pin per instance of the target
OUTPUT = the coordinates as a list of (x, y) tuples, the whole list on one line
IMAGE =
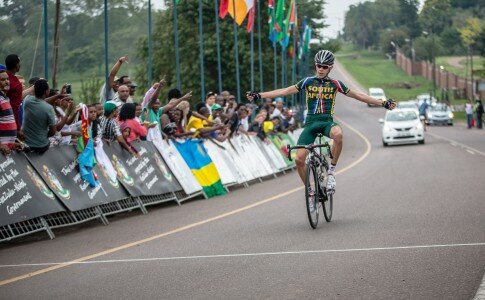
[(150, 44), (261, 86), (282, 66), (275, 72), (201, 52), (46, 42), (293, 65), (252, 59), (106, 41), (218, 42), (236, 50), (176, 34)]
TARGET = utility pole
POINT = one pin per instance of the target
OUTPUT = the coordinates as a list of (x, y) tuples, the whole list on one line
[(56, 44)]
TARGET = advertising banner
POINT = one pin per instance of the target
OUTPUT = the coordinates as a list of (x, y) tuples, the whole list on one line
[(145, 175), (58, 167), (23, 193)]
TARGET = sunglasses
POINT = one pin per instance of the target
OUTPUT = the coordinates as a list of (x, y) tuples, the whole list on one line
[(325, 67)]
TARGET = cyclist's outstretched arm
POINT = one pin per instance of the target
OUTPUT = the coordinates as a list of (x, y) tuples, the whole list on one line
[(364, 98), (388, 104), (272, 94)]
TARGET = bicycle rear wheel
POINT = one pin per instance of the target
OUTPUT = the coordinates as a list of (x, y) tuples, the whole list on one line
[(311, 195)]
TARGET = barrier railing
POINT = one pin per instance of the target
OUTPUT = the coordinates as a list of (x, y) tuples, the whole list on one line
[(45, 192)]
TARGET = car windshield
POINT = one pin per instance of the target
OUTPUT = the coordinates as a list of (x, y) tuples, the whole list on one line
[(401, 116), (377, 95), (439, 108)]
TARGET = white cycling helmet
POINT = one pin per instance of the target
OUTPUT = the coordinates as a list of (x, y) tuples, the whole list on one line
[(324, 57)]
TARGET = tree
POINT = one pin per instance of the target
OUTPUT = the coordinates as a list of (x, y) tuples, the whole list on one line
[(435, 16)]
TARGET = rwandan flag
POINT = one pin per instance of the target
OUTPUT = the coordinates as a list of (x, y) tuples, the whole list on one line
[(201, 165)]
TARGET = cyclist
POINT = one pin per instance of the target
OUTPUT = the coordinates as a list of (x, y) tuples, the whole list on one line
[(321, 92)]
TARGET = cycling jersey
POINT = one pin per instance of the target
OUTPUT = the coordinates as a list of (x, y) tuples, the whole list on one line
[(321, 94)]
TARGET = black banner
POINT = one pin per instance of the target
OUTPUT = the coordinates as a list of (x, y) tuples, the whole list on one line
[(144, 175), (23, 193), (59, 169)]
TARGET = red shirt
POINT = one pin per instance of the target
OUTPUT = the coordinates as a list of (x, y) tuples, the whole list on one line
[(15, 96), (137, 129)]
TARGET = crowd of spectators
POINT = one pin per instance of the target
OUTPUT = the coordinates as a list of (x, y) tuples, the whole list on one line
[(35, 117)]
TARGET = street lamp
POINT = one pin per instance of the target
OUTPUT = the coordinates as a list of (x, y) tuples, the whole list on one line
[(433, 61)]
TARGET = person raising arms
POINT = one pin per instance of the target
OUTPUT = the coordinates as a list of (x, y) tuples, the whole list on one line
[(321, 92)]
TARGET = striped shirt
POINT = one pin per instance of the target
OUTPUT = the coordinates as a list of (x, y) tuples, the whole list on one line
[(8, 126), (110, 129)]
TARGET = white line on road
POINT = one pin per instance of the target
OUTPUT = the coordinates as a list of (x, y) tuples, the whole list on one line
[(452, 142), (243, 255)]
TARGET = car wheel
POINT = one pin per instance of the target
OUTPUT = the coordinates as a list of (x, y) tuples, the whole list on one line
[(385, 144), (450, 124), (421, 141)]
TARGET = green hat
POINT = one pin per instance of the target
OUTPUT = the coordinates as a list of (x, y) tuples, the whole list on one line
[(216, 106), (109, 107)]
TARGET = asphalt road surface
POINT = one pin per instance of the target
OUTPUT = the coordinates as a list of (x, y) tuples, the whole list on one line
[(409, 223)]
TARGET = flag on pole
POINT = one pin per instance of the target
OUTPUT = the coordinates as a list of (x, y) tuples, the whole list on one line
[(288, 25), (252, 13), (240, 9), (223, 7), (279, 19), (86, 159), (272, 33), (305, 43)]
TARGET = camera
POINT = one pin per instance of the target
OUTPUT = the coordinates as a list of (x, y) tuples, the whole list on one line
[(68, 89)]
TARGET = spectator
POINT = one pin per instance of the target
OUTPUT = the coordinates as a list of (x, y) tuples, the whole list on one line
[(138, 112), (289, 121), (184, 106), (220, 100), (198, 127), (271, 127), (14, 93), (215, 117), (127, 121), (94, 130), (172, 125), (210, 99), (39, 118), (99, 110), (123, 95), (65, 114), (257, 127), (8, 126), (469, 113), (479, 113), (235, 121), (132, 87), (110, 130), (279, 105), (113, 82)]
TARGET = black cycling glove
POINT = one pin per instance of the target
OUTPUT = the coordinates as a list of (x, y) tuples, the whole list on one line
[(255, 95), (389, 104)]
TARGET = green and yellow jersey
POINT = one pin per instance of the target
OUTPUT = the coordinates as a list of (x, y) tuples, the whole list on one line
[(321, 94)]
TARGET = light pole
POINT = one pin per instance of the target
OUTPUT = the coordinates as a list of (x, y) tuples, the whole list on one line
[(433, 62)]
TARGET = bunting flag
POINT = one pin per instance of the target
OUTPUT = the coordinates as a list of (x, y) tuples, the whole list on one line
[(223, 7), (202, 167), (240, 9), (86, 158), (252, 13)]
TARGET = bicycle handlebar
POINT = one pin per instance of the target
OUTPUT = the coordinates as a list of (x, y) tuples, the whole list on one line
[(310, 147)]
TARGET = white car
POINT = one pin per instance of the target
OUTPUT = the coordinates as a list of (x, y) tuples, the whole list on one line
[(422, 97), (439, 114), (377, 93), (402, 126), (407, 104)]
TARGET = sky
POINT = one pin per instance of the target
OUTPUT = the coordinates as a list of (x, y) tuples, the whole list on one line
[(335, 11)]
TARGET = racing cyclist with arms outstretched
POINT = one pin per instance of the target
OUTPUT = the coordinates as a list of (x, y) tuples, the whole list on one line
[(321, 92)]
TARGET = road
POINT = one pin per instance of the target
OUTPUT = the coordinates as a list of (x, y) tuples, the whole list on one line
[(409, 223)]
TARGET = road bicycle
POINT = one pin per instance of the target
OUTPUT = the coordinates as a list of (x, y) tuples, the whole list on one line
[(315, 183)]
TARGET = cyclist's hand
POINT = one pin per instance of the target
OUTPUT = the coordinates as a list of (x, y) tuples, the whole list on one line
[(251, 96), (389, 104)]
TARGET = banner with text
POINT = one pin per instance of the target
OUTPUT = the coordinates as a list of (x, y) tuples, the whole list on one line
[(145, 175), (24, 195), (59, 169)]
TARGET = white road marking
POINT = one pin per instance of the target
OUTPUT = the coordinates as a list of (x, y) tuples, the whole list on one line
[(236, 255), (471, 152), (457, 143), (480, 295)]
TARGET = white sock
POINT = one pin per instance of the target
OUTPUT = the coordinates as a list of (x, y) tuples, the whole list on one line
[(331, 170)]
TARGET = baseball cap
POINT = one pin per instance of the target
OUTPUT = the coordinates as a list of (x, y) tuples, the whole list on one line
[(110, 106), (279, 99), (2, 67), (216, 106)]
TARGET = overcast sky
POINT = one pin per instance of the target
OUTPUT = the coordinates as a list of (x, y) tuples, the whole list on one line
[(335, 12)]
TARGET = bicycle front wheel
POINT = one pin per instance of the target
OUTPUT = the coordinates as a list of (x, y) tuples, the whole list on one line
[(328, 206), (311, 195)]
